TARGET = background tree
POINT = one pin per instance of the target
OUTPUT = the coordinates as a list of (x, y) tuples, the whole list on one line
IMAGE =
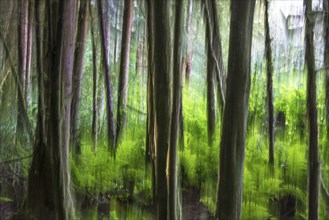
[(233, 136), (269, 86), (124, 67), (105, 35), (78, 71)]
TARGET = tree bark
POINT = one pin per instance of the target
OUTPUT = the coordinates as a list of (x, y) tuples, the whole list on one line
[(77, 77), (233, 136), (162, 99), (22, 55), (104, 33), (269, 87), (49, 194), (176, 107), (188, 58), (95, 81), (326, 60), (313, 155), (124, 68)]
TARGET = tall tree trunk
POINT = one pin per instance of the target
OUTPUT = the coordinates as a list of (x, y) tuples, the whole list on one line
[(233, 136), (215, 57), (78, 71), (22, 55), (188, 58), (176, 107), (95, 81), (49, 194), (104, 33), (211, 87), (326, 60), (124, 68), (162, 99), (269, 87), (313, 155), (29, 54), (150, 134)]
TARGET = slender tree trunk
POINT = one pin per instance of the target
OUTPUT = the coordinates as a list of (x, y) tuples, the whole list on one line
[(188, 58), (49, 194), (326, 60), (313, 155), (104, 33), (95, 81), (116, 36), (150, 134), (29, 54), (162, 99), (78, 71), (269, 87), (22, 55), (124, 68), (176, 107), (211, 87), (233, 136)]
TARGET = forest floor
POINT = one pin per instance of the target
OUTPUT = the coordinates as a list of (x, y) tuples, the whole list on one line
[(192, 208)]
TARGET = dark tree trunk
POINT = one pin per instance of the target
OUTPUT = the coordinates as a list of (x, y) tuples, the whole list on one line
[(124, 68), (214, 54), (22, 55), (313, 154), (211, 87), (269, 87), (104, 33), (150, 136), (95, 81), (162, 99), (78, 71), (233, 136), (188, 58), (49, 194), (176, 108)]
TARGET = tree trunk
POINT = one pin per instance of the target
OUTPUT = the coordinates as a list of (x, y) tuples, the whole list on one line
[(188, 58), (233, 136), (211, 87), (49, 194), (104, 33), (313, 155), (29, 54), (95, 82), (269, 87), (215, 57), (78, 71), (162, 99), (326, 60), (22, 55), (176, 107), (124, 68)]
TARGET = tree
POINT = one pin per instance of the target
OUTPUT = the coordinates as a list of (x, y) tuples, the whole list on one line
[(104, 33), (313, 154), (176, 107), (78, 71), (269, 86), (232, 145), (162, 52), (49, 193), (326, 60), (187, 64), (124, 67)]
